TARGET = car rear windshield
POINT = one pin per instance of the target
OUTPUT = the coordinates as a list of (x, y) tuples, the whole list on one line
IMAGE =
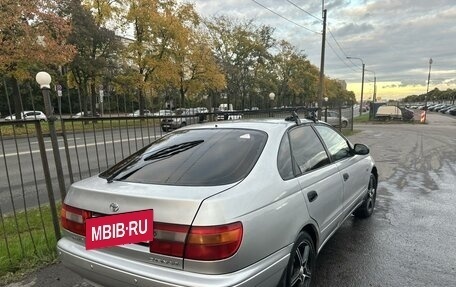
[(200, 157)]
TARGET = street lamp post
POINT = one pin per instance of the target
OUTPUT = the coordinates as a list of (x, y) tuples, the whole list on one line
[(362, 84), (101, 92), (271, 101), (326, 108), (429, 79), (44, 80), (427, 91), (374, 96)]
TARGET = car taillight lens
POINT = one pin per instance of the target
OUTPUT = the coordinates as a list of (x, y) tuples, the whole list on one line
[(213, 242), (205, 243), (73, 219), (169, 239)]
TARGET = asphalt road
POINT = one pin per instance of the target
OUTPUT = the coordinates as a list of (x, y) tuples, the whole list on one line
[(21, 169), (409, 241)]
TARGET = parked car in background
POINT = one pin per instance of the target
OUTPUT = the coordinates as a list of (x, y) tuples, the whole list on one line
[(447, 111), (29, 115), (137, 113), (434, 108), (446, 108), (163, 113), (89, 114), (334, 119), (184, 117), (221, 194), (226, 112)]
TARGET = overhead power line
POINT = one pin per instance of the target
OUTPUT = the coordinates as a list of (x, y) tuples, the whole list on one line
[(338, 56), (341, 49), (285, 18), (305, 11)]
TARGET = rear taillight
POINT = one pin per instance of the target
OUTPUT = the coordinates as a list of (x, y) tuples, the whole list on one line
[(169, 239), (73, 219), (213, 242), (205, 243)]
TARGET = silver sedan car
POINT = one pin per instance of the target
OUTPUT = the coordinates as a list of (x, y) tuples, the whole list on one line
[(242, 203)]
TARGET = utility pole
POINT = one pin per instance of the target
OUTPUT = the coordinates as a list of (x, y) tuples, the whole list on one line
[(374, 98), (362, 91), (322, 66), (362, 83), (429, 79)]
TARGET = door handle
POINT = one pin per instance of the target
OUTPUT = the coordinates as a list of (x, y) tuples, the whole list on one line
[(312, 195), (346, 176)]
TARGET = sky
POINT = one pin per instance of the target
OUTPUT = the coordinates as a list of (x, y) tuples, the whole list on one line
[(395, 39)]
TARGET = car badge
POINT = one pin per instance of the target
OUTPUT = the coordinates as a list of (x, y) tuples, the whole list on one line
[(114, 207)]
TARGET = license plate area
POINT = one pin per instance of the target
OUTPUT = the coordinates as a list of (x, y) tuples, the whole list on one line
[(119, 229)]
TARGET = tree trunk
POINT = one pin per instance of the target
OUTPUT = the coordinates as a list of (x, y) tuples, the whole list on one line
[(142, 102), (16, 98), (93, 96)]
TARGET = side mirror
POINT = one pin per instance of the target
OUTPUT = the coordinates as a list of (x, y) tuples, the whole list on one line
[(361, 149)]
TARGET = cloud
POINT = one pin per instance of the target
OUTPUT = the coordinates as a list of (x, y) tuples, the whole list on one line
[(353, 28), (394, 38)]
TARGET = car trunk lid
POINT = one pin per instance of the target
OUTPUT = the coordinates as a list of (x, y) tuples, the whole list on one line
[(174, 209)]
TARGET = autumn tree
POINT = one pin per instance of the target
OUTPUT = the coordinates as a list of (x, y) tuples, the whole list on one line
[(159, 27), (197, 70), (97, 48), (337, 93), (242, 50), (32, 36)]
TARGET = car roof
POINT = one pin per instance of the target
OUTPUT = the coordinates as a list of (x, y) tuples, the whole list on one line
[(267, 125)]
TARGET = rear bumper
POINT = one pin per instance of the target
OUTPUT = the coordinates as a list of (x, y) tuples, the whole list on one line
[(105, 269)]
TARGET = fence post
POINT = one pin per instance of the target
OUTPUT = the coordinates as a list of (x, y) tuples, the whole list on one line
[(352, 117), (47, 178), (340, 117), (67, 151)]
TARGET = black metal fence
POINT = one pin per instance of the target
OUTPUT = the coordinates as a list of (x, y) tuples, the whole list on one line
[(35, 172)]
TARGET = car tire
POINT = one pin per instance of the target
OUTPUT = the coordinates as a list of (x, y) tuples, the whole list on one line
[(302, 263), (183, 124), (165, 130), (344, 124), (367, 207)]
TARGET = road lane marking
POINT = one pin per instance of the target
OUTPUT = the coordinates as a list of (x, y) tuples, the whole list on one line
[(72, 147), (49, 141)]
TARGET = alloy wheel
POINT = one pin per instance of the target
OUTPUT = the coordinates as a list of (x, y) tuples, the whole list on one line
[(301, 274)]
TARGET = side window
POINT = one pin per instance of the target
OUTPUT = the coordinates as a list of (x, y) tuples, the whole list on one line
[(337, 145), (284, 162), (307, 149)]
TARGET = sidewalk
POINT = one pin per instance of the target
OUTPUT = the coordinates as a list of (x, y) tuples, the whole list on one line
[(55, 275)]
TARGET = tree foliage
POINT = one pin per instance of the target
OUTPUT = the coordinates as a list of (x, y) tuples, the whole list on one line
[(96, 50), (242, 50), (32, 33), (173, 54), (434, 95)]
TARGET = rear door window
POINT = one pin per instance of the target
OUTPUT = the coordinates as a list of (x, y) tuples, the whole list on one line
[(202, 157)]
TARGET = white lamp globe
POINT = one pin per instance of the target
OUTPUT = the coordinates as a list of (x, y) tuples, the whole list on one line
[(44, 80)]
